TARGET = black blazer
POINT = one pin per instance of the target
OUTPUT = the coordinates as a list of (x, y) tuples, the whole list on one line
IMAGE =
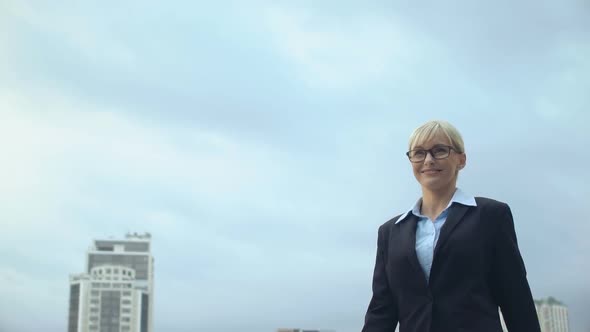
[(476, 268)]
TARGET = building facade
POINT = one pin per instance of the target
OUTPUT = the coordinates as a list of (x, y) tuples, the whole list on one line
[(115, 294), (303, 330), (553, 315)]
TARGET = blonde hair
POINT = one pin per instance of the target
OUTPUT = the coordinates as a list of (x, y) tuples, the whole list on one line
[(428, 130)]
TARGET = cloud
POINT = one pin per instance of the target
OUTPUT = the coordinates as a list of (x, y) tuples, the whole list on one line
[(90, 38), (562, 96), (336, 52), (23, 295)]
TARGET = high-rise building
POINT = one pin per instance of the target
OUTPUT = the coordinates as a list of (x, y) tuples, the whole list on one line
[(115, 294), (302, 330), (553, 315)]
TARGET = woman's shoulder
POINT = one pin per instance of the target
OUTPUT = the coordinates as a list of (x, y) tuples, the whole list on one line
[(391, 222), (486, 202), (492, 209)]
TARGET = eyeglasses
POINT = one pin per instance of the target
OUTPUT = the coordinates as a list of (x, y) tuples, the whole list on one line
[(437, 152)]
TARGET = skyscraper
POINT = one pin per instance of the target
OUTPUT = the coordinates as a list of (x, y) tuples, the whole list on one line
[(115, 294), (553, 315), (302, 330)]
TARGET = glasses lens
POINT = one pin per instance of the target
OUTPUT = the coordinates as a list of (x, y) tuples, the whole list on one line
[(440, 152), (417, 155)]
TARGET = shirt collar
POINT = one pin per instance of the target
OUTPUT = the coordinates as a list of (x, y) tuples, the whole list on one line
[(458, 197)]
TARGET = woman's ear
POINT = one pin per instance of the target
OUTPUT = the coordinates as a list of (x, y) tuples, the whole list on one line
[(462, 160)]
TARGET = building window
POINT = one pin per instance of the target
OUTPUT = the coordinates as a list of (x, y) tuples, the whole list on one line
[(126, 302), (125, 319), (126, 293), (125, 310), (94, 301)]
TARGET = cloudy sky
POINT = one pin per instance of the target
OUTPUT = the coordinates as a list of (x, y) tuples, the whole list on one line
[(262, 144)]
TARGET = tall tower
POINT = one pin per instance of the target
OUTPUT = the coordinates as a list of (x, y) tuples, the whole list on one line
[(115, 294), (553, 315)]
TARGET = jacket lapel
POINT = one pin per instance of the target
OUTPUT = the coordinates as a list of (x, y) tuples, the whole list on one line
[(456, 213), (408, 235)]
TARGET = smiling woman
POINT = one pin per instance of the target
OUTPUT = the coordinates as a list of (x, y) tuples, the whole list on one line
[(452, 260), (437, 154)]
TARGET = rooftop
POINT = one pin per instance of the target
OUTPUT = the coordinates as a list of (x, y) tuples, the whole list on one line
[(550, 301)]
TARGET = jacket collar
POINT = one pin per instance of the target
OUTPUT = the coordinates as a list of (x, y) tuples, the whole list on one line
[(459, 197)]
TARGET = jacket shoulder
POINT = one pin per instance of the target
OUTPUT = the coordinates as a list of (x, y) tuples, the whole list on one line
[(492, 210), (486, 202), (385, 227)]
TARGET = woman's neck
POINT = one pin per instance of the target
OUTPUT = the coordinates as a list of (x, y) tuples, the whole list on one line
[(434, 202)]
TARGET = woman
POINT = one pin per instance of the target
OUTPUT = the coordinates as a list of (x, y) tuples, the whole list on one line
[(452, 260)]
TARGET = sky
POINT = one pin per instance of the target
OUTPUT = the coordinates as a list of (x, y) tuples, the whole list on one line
[(262, 144)]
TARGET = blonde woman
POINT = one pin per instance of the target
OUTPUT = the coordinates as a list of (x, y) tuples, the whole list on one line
[(448, 263)]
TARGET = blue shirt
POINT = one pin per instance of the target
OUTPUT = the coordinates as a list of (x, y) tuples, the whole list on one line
[(428, 231)]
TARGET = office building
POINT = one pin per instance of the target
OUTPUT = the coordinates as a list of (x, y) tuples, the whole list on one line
[(302, 330), (115, 294), (553, 315)]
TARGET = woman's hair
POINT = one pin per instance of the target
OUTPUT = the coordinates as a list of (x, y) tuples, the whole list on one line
[(428, 130)]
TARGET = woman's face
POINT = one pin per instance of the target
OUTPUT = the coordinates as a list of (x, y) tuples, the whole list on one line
[(438, 174)]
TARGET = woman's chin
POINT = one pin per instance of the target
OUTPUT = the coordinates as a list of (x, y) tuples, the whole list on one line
[(436, 185)]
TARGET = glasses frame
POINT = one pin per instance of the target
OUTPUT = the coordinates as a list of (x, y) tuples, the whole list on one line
[(429, 151)]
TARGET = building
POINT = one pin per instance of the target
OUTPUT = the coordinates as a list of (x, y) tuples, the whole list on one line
[(302, 330), (553, 315), (115, 294)]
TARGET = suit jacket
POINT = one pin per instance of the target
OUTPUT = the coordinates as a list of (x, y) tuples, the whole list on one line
[(476, 268)]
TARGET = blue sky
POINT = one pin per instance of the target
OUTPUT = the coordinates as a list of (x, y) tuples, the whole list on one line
[(262, 144)]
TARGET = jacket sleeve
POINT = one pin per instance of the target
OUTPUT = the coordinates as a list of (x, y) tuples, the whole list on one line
[(509, 283), (382, 314)]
